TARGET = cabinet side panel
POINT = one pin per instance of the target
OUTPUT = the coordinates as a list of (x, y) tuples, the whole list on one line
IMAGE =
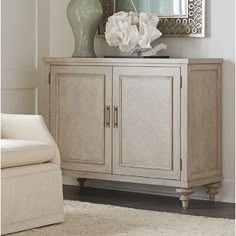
[(204, 121)]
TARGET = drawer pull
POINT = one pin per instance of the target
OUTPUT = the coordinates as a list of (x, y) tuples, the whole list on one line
[(108, 116), (115, 116)]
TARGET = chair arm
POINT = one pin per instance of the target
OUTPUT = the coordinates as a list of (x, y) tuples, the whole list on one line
[(27, 127)]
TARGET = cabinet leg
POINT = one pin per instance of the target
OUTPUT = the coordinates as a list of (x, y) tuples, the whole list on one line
[(212, 190), (81, 183), (184, 196)]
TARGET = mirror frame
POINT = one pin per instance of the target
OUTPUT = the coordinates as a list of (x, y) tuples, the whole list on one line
[(191, 26)]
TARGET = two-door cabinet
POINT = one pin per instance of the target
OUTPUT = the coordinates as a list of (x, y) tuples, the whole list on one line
[(149, 121)]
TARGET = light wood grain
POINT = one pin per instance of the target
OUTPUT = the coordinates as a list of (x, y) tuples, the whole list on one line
[(184, 196), (81, 95), (212, 190), (147, 141), (184, 123), (167, 110), (130, 61), (203, 121), (125, 178), (46, 95)]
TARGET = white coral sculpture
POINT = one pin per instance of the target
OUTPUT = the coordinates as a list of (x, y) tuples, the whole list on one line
[(134, 33)]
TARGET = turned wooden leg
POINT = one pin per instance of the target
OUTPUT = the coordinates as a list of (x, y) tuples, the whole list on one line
[(212, 190), (81, 183), (184, 196)]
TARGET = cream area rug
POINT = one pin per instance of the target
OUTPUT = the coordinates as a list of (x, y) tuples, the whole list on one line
[(87, 219)]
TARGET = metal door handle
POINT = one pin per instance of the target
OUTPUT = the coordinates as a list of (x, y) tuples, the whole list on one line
[(115, 116), (108, 116)]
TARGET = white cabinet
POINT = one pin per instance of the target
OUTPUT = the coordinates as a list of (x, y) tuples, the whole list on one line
[(79, 98), (146, 141), (153, 121)]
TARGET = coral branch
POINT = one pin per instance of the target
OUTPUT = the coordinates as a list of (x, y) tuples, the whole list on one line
[(134, 33)]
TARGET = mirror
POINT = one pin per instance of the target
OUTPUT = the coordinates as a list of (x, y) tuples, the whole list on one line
[(178, 18), (164, 8)]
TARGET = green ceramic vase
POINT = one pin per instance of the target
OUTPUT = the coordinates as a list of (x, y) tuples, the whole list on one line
[(84, 17), (125, 5)]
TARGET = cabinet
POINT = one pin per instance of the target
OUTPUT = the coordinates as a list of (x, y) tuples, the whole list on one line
[(146, 139), (150, 121), (79, 97)]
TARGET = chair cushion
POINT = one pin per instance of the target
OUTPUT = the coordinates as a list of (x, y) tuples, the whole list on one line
[(22, 152)]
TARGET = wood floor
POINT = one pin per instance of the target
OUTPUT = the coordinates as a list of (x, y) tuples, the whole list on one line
[(149, 202)]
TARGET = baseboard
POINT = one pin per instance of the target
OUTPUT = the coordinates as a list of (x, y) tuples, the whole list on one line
[(226, 192)]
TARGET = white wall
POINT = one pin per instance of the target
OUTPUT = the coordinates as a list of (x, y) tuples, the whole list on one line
[(19, 53), (220, 42), (23, 45), (61, 37), (43, 46)]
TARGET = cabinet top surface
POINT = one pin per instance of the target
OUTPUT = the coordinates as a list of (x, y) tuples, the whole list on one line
[(125, 61)]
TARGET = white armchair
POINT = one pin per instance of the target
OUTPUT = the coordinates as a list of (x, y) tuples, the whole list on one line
[(31, 175)]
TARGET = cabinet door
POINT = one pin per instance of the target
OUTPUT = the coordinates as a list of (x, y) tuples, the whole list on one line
[(80, 111), (146, 122)]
